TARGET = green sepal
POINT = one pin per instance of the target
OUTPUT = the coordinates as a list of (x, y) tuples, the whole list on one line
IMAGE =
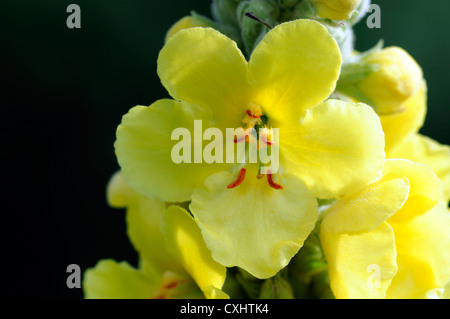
[(250, 284), (277, 287), (224, 11), (253, 31)]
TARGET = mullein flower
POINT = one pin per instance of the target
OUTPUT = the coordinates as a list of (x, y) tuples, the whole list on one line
[(174, 261), (335, 9), (397, 226), (255, 223)]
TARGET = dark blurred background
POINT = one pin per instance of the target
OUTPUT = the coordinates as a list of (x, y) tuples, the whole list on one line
[(63, 93)]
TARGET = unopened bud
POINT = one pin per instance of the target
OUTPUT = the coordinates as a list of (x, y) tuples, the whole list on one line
[(224, 11), (276, 287), (335, 9), (192, 21), (398, 78), (265, 14)]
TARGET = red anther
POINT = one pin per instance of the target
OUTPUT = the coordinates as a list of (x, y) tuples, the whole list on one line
[(171, 285), (272, 183), (239, 179), (240, 139), (249, 113), (264, 139)]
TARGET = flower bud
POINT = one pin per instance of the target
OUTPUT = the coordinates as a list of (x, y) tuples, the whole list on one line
[(187, 22), (335, 9), (253, 31), (276, 287), (224, 11), (397, 79)]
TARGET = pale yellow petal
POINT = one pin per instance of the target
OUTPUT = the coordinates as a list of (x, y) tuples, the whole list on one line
[(118, 193), (336, 149), (254, 226), (185, 242), (422, 149), (360, 266), (425, 188), (143, 220), (423, 246), (144, 149), (212, 292), (112, 280), (203, 66), (368, 209), (294, 67)]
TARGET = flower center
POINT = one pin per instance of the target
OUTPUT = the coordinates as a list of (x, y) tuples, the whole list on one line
[(256, 131)]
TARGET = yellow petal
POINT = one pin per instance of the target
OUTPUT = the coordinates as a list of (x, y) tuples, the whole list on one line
[(212, 292), (366, 210), (144, 150), (118, 193), (422, 149), (399, 126), (254, 226), (202, 66), (423, 246), (425, 188), (185, 23), (294, 67), (185, 242), (337, 149), (112, 280), (360, 266), (143, 220)]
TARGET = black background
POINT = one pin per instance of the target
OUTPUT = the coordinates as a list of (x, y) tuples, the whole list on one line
[(63, 92)]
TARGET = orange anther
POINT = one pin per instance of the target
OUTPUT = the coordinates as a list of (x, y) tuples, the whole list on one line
[(272, 183), (253, 115), (239, 179)]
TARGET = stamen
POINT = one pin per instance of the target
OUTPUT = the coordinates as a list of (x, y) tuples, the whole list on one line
[(242, 138), (252, 16), (171, 285), (239, 179), (272, 183), (253, 115), (265, 140)]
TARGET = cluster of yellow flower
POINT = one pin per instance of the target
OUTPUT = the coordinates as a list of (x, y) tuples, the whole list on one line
[(358, 189)]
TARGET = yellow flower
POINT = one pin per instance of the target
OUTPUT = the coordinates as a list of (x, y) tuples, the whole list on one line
[(174, 263), (335, 9), (252, 223), (395, 227), (185, 23)]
